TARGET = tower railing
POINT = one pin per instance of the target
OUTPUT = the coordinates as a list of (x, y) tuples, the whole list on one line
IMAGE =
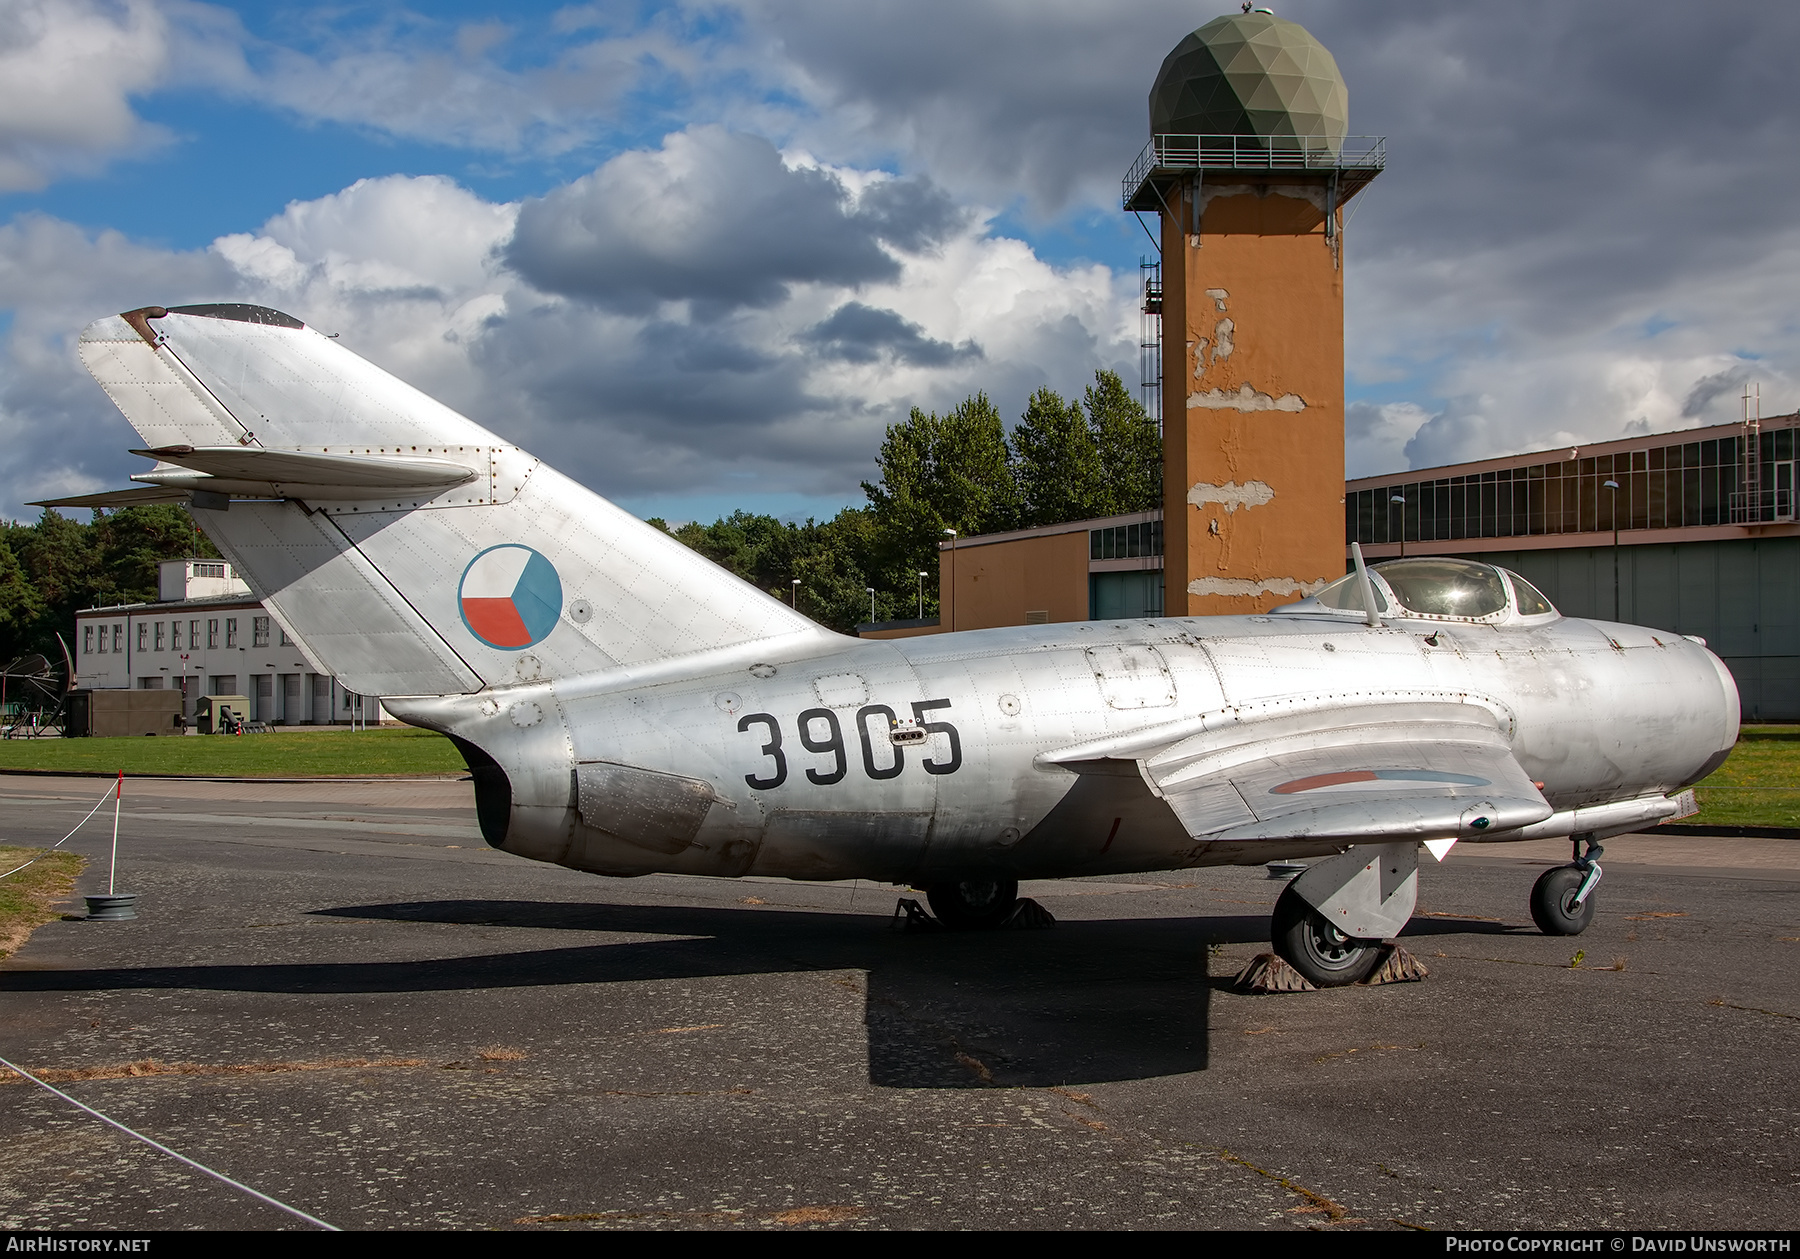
[(1359, 158)]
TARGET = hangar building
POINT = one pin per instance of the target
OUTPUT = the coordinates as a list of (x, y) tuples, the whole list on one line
[(1701, 528), (206, 634)]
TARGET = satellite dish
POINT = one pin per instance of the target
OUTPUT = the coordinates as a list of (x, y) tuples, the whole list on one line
[(33, 692)]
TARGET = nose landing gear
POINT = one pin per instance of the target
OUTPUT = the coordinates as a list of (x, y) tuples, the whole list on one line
[(1562, 900)]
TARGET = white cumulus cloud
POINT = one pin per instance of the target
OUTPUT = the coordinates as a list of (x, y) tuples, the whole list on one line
[(778, 381)]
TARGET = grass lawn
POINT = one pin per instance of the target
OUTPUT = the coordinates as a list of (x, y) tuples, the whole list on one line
[(30, 898), (1759, 785), (290, 753)]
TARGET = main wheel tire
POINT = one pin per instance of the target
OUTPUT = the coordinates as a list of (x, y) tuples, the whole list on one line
[(973, 904), (1553, 905), (1311, 945)]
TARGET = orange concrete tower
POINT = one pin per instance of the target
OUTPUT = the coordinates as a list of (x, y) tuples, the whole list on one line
[(1249, 167)]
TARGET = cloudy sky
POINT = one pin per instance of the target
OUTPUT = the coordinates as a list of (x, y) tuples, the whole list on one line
[(698, 255)]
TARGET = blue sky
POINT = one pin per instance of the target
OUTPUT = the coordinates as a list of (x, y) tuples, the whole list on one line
[(611, 232)]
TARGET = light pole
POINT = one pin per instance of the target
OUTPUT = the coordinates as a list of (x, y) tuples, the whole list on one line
[(921, 594), (1614, 487), (1401, 499), (795, 602), (871, 591), (952, 534)]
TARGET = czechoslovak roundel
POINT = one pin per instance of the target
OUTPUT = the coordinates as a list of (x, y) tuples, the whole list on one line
[(510, 597)]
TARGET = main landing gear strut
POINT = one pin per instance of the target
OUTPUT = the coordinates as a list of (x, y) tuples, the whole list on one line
[(1562, 900), (973, 904), (1330, 922)]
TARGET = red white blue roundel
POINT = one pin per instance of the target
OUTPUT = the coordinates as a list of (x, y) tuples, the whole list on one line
[(510, 597)]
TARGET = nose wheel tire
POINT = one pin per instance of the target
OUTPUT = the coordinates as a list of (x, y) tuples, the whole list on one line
[(973, 904), (1553, 905), (1309, 943)]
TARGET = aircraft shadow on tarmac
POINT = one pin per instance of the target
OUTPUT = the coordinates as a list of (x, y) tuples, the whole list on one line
[(1087, 1002), (1084, 1002)]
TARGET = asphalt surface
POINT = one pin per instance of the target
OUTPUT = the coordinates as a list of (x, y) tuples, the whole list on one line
[(386, 1024)]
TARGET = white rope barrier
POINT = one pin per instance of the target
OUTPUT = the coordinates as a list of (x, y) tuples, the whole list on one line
[(159, 1146), (110, 793), (116, 792)]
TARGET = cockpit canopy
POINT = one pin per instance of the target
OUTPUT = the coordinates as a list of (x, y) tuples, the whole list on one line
[(1436, 589)]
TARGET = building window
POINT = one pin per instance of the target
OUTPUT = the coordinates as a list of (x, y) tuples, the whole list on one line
[(212, 632), (259, 631), (209, 570), (194, 635), (159, 636), (118, 638), (150, 684), (1661, 487), (1122, 542), (231, 631), (143, 636), (285, 640), (87, 640), (174, 635)]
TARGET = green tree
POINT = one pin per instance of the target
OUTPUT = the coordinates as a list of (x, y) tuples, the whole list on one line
[(828, 558), (1065, 461), (21, 607), (952, 471), (834, 571), (1057, 462), (68, 566), (1130, 448)]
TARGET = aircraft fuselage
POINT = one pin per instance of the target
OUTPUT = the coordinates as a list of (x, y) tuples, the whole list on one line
[(782, 758)]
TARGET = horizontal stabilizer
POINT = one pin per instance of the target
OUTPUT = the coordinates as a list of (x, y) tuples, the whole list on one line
[(300, 473), (119, 498)]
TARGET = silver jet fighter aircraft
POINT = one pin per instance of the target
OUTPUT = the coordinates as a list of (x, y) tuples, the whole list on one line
[(627, 707)]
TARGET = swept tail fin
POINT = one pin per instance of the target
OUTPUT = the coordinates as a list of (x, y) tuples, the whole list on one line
[(346, 511)]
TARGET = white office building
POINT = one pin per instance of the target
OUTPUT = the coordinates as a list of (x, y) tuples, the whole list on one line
[(206, 634)]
